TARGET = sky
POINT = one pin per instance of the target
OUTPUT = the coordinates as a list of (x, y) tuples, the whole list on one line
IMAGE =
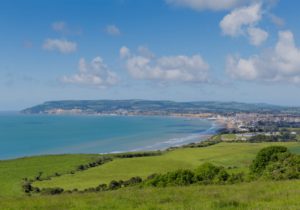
[(179, 50)]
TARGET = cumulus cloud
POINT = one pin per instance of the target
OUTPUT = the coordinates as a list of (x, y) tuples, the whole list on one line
[(124, 52), (235, 23), (62, 27), (60, 45), (281, 64), (181, 69), (93, 75), (257, 36), (215, 4), (144, 51), (113, 30)]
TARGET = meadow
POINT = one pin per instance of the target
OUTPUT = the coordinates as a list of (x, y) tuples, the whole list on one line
[(253, 195), (13, 171), (223, 154)]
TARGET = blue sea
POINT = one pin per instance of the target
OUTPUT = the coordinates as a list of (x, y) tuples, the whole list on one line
[(28, 135)]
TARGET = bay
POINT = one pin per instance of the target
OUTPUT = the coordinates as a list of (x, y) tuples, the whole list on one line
[(28, 135)]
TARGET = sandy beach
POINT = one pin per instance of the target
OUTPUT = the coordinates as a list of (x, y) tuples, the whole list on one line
[(223, 122)]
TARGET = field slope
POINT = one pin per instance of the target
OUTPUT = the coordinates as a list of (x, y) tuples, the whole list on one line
[(223, 154)]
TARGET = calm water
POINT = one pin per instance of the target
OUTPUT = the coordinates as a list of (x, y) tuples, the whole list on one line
[(26, 135)]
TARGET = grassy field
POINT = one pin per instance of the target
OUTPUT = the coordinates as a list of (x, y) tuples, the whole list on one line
[(229, 136), (253, 195), (225, 154), (13, 171)]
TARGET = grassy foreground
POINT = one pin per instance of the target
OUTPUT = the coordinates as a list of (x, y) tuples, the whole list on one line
[(223, 154), (13, 171), (253, 195)]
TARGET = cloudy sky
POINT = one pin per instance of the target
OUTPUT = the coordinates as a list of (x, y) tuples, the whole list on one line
[(180, 50)]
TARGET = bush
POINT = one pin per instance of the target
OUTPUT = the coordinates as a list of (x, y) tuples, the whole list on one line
[(27, 187), (36, 190), (113, 185), (264, 156), (151, 176), (52, 191), (206, 171)]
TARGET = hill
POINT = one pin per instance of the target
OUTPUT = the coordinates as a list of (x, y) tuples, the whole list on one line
[(140, 106)]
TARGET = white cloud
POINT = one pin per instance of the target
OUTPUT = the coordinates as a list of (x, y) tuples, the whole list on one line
[(233, 22), (257, 36), (215, 4), (94, 75), (282, 64), (61, 26), (61, 45), (124, 52), (181, 69), (277, 20), (113, 30), (240, 19), (144, 51)]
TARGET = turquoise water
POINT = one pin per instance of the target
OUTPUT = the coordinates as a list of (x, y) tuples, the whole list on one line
[(27, 135)]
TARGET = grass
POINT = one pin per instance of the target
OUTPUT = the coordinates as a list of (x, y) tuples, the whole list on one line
[(13, 171), (253, 195), (295, 150), (225, 154), (229, 136)]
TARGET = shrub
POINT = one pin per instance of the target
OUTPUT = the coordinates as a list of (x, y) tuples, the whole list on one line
[(36, 190), (207, 171), (223, 175), (151, 176), (264, 156), (80, 167), (52, 191), (113, 185), (27, 187)]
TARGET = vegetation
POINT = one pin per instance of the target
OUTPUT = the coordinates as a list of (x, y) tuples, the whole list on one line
[(236, 156), (13, 171), (196, 186), (100, 106)]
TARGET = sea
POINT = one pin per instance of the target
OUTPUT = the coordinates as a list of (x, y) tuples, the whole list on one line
[(29, 135)]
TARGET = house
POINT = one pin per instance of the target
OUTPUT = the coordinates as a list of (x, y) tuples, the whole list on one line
[(246, 134), (294, 133)]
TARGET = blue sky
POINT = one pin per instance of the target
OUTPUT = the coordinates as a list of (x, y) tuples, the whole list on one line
[(180, 50)]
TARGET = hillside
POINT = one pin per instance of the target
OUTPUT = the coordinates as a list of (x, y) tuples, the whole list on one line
[(110, 106), (259, 194)]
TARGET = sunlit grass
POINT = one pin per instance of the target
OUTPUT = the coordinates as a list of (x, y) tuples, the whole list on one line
[(253, 195), (223, 154)]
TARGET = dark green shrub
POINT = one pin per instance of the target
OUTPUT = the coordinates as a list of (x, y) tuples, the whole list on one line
[(102, 187), (264, 156), (27, 187), (207, 171), (151, 176), (36, 190), (80, 167), (223, 175), (52, 191), (113, 185)]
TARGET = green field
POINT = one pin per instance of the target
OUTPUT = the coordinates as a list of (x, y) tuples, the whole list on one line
[(253, 195), (13, 171), (229, 136), (223, 154)]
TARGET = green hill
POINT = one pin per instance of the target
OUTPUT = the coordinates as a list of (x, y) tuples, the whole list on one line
[(101, 106)]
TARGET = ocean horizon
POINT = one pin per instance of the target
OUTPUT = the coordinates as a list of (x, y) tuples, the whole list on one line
[(30, 135)]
